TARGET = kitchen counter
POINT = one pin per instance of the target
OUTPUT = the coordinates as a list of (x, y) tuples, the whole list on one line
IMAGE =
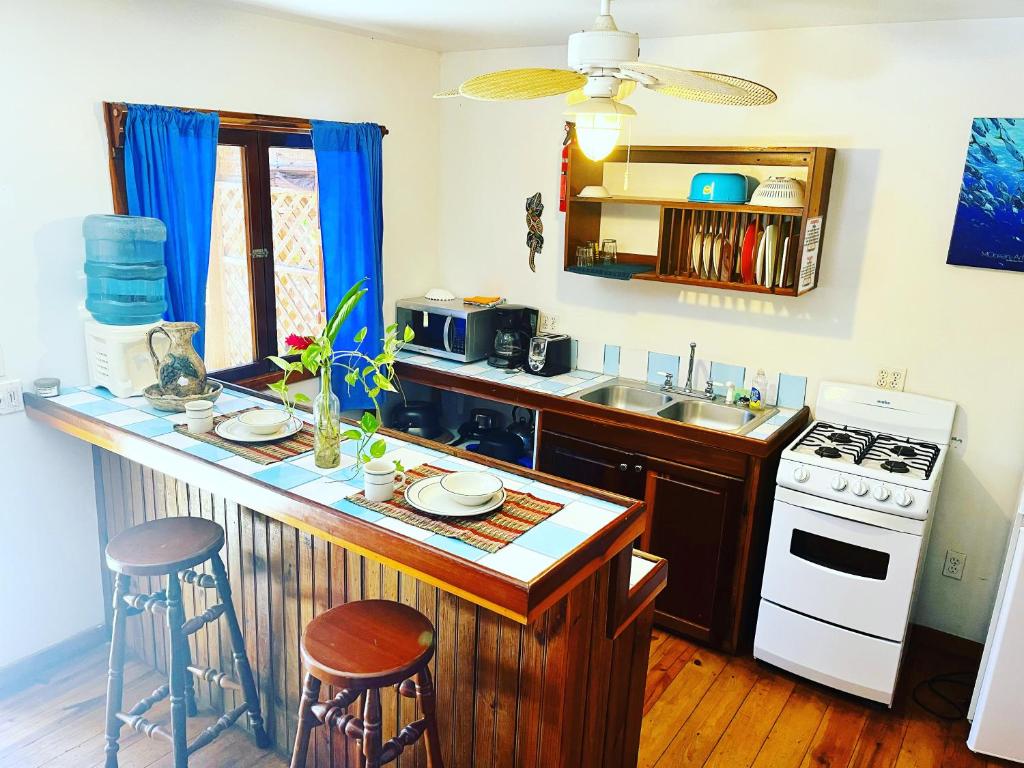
[(556, 394), (519, 631)]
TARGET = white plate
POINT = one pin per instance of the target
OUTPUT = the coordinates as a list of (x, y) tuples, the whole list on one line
[(428, 496), (237, 432)]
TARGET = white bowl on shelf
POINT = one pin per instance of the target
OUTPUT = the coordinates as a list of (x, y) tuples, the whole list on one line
[(595, 190), (471, 489), (264, 421)]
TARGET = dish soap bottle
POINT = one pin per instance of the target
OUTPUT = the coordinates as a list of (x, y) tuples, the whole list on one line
[(758, 389)]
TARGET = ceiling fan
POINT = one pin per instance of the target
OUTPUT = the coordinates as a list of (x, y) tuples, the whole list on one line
[(604, 68)]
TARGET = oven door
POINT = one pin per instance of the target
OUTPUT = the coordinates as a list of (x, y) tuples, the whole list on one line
[(841, 571)]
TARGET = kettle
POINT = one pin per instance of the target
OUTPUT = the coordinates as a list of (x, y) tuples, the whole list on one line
[(522, 427)]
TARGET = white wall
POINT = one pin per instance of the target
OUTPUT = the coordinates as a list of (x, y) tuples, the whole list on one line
[(896, 101), (61, 59)]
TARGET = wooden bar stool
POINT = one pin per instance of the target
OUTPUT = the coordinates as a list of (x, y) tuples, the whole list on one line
[(171, 548), (362, 647)]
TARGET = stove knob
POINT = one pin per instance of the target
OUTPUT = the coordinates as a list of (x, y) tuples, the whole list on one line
[(838, 483), (859, 488), (881, 493), (801, 475), (904, 498)]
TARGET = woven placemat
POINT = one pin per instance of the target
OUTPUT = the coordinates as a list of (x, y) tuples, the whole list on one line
[(490, 532), (262, 453)]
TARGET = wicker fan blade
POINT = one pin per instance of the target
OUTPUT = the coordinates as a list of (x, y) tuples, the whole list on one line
[(695, 85), (449, 93), (626, 87), (520, 84)]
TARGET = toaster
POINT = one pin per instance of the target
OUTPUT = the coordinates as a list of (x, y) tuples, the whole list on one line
[(549, 355)]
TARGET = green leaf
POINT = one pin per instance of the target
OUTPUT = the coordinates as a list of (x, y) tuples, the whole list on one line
[(310, 357), (373, 393), (360, 335), (301, 398), (378, 449), (344, 309), (408, 334), (398, 466), (369, 423), (383, 383), (280, 362), (391, 329), (351, 377), (352, 434)]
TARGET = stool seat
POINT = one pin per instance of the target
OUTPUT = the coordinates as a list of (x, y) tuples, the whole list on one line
[(165, 546), (372, 643)]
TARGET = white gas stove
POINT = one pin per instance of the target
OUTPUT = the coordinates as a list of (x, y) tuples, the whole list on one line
[(852, 510)]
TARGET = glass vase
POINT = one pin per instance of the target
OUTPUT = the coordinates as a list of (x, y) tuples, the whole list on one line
[(326, 425)]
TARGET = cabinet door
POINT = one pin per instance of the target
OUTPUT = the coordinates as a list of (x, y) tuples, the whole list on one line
[(695, 517), (591, 464)]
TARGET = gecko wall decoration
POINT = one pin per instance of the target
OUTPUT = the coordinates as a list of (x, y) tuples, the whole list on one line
[(534, 228)]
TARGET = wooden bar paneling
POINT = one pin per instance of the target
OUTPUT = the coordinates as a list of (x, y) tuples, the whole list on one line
[(556, 692)]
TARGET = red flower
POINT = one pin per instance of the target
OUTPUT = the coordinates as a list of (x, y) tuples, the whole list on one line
[(297, 342)]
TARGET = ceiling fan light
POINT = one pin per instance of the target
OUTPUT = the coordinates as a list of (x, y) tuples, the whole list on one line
[(598, 124)]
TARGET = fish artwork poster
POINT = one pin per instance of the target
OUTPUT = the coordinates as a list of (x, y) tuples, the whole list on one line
[(988, 230)]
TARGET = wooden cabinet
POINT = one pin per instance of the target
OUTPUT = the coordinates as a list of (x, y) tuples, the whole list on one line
[(591, 464), (694, 522)]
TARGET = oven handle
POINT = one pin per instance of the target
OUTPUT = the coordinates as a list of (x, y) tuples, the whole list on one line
[(447, 333)]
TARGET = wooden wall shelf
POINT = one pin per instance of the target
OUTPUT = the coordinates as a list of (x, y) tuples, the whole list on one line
[(686, 227)]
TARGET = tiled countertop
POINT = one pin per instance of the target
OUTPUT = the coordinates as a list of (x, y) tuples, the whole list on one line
[(531, 555), (559, 386)]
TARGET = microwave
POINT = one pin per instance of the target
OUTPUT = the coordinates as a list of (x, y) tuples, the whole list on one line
[(448, 329)]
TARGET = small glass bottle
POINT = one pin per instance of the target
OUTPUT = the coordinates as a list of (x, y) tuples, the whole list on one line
[(326, 425)]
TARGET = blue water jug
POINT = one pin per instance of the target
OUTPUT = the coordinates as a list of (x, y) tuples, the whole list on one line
[(125, 273)]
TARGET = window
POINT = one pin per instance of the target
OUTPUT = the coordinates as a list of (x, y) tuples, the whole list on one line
[(266, 265)]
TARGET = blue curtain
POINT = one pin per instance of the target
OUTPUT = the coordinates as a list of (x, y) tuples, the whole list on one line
[(170, 163), (348, 169)]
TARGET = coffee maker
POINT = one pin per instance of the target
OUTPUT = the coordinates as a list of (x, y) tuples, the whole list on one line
[(516, 325)]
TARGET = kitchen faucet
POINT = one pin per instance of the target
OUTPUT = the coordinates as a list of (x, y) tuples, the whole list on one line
[(687, 389)]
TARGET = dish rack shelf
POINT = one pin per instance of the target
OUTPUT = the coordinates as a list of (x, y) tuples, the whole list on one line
[(702, 244)]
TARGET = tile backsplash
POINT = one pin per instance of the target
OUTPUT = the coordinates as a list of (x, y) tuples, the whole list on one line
[(784, 389)]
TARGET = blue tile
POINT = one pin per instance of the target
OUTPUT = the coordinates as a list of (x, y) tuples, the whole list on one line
[(658, 364), (355, 510), (551, 539), (602, 504), (99, 407), (151, 428), (585, 375), (456, 547), (780, 418), (447, 365), (209, 452), (723, 372), (103, 392), (352, 475), (552, 386), (547, 493), (611, 359), (792, 391), (495, 374), (285, 476)]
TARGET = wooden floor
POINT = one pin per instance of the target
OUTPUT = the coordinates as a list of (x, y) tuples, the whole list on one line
[(701, 709)]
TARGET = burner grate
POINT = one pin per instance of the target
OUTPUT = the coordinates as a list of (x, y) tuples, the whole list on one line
[(901, 455), (833, 442)]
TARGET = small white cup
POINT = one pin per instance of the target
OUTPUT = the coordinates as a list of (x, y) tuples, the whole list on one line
[(199, 416), (379, 478)]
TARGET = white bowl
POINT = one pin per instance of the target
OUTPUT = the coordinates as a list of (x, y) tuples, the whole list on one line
[(471, 489), (265, 421)]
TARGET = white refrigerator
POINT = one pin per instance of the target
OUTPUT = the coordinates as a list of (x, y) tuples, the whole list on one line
[(998, 700)]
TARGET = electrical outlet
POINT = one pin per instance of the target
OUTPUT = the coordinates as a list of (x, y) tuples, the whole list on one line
[(548, 323), (10, 396), (894, 379), (954, 565)]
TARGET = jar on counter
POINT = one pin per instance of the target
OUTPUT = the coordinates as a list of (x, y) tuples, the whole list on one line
[(199, 416)]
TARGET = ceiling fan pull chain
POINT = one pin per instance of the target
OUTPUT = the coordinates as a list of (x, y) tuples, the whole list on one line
[(629, 146)]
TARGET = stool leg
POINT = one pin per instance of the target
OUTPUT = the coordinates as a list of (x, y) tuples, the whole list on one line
[(176, 667), (190, 682), (242, 669), (371, 728), (307, 720), (425, 696), (115, 671)]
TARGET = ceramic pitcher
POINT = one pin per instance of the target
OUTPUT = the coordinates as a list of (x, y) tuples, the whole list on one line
[(179, 371)]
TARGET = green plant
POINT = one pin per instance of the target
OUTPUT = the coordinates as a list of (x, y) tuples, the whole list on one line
[(374, 374)]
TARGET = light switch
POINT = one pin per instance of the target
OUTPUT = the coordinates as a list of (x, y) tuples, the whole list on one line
[(10, 396)]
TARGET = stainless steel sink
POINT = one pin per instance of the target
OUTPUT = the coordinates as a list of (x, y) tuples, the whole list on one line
[(701, 413), (627, 398), (673, 405)]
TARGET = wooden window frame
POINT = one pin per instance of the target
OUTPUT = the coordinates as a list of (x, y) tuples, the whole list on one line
[(255, 133)]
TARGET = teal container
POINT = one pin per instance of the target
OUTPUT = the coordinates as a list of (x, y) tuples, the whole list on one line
[(126, 277), (721, 188)]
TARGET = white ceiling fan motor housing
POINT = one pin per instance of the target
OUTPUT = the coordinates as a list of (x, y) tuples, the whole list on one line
[(602, 49)]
